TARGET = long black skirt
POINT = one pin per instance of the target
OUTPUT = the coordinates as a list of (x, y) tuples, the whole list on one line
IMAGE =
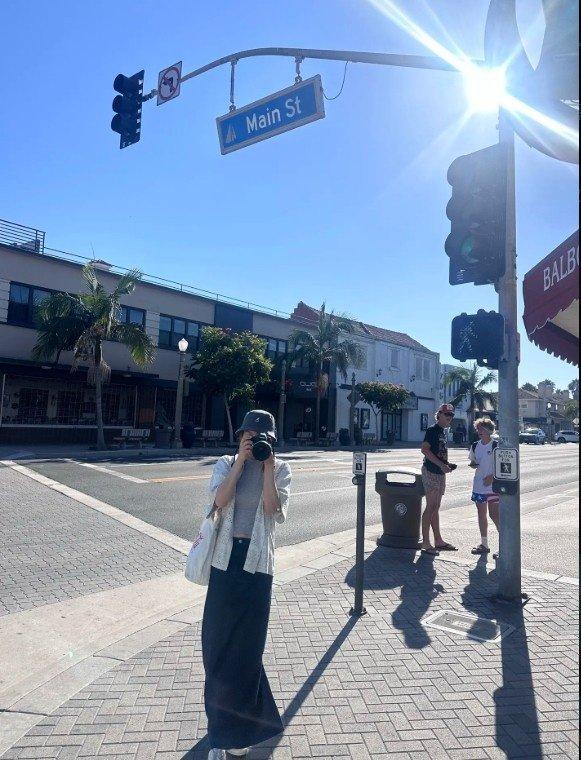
[(239, 703)]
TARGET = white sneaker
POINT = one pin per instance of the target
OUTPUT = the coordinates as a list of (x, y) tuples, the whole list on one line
[(239, 752), (217, 754)]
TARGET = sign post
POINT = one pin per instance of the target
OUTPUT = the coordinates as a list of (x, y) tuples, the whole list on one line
[(272, 115), (359, 478)]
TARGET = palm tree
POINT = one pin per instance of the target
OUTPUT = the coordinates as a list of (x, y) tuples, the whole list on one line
[(325, 346), (82, 323), (472, 384)]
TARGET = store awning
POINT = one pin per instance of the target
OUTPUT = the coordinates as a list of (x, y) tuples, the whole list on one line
[(551, 299)]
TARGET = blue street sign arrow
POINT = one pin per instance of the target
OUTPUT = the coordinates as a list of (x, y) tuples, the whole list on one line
[(277, 113)]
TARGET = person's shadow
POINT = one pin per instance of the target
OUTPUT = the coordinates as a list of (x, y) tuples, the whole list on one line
[(516, 717), (411, 577)]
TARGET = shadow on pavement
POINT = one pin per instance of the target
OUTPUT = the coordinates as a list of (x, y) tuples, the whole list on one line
[(516, 718), (415, 577), (265, 750)]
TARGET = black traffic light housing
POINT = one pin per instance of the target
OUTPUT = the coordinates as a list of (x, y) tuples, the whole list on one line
[(477, 211), (127, 106), (479, 337)]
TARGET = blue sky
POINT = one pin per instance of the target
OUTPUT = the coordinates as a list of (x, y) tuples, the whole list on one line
[(350, 209)]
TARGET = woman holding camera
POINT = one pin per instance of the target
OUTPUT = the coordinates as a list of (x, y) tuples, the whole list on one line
[(251, 492)]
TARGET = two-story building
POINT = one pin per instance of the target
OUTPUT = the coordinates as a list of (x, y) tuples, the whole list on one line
[(543, 408), (389, 356), (48, 402)]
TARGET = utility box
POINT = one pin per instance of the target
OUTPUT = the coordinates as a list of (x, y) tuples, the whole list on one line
[(401, 493)]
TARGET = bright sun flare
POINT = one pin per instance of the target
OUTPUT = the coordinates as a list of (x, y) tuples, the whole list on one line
[(485, 89)]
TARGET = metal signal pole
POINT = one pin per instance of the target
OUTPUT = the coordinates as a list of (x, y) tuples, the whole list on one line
[(509, 560)]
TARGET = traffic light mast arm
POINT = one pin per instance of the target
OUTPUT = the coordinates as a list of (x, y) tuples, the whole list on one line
[(351, 56)]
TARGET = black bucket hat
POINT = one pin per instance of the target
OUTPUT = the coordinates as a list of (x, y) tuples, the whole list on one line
[(259, 420)]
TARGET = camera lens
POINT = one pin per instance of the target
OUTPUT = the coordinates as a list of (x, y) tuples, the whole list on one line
[(261, 448)]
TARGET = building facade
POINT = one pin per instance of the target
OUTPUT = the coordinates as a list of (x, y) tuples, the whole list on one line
[(544, 408), (388, 357), (48, 402)]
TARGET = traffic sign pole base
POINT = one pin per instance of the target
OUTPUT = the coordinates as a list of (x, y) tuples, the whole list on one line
[(357, 613)]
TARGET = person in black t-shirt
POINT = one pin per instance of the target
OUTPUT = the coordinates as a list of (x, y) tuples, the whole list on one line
[(434, 470)]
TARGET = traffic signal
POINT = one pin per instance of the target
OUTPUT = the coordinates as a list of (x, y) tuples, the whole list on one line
[(479, 336), (127, 106), (477, 211)]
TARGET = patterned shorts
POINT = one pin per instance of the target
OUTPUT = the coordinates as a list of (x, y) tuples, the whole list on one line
[(485, 498), (434, 483)]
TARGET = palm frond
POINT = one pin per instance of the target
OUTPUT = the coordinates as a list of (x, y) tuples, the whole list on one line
[(137, 341), (90, 278), (127, 283)]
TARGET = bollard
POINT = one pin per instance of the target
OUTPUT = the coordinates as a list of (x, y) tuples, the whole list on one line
[(359, 477)]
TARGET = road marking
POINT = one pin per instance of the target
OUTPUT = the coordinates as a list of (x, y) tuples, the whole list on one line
[(176, 477), (107, 471), (321, 490)]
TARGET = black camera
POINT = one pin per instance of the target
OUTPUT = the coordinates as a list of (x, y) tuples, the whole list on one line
[(261, 447)]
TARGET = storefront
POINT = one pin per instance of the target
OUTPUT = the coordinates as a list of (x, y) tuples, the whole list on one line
[(48, 404), (551, 301)]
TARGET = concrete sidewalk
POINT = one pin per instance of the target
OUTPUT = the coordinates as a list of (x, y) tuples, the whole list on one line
[(385, 685)]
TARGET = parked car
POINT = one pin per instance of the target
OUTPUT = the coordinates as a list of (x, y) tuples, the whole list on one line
[(533, 435), (567, 436)]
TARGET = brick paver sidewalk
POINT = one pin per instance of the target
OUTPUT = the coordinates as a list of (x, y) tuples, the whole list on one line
[(385, 685)]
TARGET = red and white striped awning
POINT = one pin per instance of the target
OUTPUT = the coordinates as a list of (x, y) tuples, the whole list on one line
[(551, 297)]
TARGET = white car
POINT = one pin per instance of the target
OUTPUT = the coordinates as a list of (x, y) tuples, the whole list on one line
[(567, 436), (533, 435)]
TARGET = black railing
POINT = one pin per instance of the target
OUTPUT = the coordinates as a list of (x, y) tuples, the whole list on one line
[(21, 237)]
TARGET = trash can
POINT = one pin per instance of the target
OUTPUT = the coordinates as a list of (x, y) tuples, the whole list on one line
[(401, 507)]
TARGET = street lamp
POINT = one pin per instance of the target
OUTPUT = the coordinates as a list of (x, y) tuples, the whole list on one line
[(177, 441)]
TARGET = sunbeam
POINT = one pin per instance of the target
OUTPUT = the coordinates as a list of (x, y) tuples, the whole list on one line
[(490, 96)]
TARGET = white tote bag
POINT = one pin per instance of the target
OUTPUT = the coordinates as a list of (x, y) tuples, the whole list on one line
[(199, 561)]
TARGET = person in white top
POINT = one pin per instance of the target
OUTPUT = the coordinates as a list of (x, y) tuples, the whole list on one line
[(482, 460)]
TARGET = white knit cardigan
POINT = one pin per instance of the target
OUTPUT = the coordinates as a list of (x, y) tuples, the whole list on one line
[(260, 557)]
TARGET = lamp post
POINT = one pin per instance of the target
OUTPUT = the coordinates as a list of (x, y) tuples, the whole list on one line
[(177, 441)]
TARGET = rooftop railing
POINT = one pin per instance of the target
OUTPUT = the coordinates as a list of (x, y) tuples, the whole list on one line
[(21, 237)]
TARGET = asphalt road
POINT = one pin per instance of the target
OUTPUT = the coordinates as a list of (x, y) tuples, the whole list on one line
[(171, 494)]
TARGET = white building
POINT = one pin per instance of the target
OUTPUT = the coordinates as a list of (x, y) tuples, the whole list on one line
[(388, 357)]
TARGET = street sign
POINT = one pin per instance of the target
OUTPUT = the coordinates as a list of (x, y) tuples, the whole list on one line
[(506, 464), (272, 115), (359, 463), (169, 83)]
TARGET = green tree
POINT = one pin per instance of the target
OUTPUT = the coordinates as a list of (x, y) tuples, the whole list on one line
[(574, 387), (325, 345), (383, 397), (472, 389), (231, 365), (82, 324), (572, 409), (528, 387), (550, 383)]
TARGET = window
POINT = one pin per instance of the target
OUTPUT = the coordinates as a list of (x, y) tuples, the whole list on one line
[(275, 349), (426, 369), (418, 367), (364, 418), (22, 302), (394, 358), (424, 422), (32, 406), (173, 329), (130, 316)]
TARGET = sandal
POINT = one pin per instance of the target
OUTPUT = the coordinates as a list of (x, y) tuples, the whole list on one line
[(481, 549), (446, 548), (431, 551)]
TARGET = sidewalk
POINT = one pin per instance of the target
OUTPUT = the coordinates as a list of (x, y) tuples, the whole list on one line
[(385, 685)]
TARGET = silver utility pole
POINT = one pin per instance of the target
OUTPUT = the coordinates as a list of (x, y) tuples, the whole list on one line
[(509, 561)]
